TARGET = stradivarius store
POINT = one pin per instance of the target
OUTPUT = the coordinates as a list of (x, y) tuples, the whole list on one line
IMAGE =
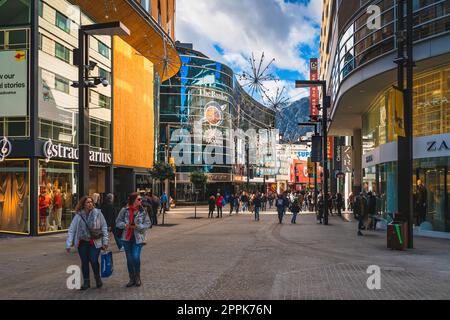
[(39, 154), (38, 192)]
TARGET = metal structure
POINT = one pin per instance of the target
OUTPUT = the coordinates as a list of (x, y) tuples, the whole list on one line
[(253, 80)]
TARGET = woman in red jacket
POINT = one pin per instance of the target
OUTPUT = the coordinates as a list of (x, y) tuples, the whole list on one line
[(219, 204)]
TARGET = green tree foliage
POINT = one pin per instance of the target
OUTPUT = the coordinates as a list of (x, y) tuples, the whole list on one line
[(162, 171)]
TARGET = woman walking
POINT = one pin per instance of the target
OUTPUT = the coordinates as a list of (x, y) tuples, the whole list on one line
[(134, 221), (88, 232)]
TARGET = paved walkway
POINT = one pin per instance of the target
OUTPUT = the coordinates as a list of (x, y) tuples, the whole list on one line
[(238, 258)]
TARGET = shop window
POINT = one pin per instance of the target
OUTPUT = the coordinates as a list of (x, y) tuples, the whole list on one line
[(16, 127), (62, 22), (14, 197), (57, 195)]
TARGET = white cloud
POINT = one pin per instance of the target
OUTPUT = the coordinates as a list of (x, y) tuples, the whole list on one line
[(241, 27)]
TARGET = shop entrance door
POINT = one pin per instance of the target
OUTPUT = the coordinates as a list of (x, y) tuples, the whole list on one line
[(437, 198)]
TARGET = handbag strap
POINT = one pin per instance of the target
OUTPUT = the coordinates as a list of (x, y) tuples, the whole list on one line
[(88, 229)]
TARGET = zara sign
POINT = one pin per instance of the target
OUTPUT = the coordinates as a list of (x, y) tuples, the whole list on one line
[(52, 150)]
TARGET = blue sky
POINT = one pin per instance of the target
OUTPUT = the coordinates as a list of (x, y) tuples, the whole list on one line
[(229, 31)]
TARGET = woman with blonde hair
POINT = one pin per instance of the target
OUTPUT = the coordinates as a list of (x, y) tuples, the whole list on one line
[(88, 232)]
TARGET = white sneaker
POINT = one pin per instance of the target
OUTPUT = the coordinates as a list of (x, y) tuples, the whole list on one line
[(122, 249)]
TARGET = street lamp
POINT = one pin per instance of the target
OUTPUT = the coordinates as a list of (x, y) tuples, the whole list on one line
[(326, 101), (105, 29), (316, 133)]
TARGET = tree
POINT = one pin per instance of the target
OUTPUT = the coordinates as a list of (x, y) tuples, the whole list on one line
[(162, 171), (199, 180)]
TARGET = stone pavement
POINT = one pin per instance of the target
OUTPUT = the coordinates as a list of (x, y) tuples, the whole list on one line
[(238, 258)]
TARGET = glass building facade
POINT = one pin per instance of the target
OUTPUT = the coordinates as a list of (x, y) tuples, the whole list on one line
[(431, 121), (206, 100)]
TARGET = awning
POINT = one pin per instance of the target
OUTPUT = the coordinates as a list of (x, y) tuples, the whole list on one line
[(147, 37)]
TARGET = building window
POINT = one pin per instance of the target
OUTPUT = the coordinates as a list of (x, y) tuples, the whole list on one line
[(14, 12), (62, 22), (16, 39), (103, 49), (104, 101), (14, 192), (102, 73), (100, 134), (40, 41), (146, 4), (41, 9), (56, 131), (62, 84), (159, 13), (62, 52), (14, 127)]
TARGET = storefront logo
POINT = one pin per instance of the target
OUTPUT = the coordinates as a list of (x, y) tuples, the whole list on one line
[(214, 113), (434, 146), (5, 148), (59, 151)]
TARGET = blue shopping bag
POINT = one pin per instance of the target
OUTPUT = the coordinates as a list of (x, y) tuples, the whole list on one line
[(106, 264)]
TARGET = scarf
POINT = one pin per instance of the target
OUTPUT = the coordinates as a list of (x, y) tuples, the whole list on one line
[(130, 231)]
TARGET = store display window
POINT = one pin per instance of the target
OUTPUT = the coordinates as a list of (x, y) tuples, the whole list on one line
[(15, 196), (57, 195)]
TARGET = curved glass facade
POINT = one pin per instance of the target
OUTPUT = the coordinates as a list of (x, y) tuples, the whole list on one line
[(205, 99), (358, 44)]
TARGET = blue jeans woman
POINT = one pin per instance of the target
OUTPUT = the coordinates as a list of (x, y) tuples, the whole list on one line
[(135, 222)]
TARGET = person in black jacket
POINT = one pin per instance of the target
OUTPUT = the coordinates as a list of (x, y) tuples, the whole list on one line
[(212, 206), (110, 215)]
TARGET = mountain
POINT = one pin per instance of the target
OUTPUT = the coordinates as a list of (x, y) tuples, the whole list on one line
[(288, 118)]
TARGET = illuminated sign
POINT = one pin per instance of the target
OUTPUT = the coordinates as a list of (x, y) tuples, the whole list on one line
[(314, 76), (5, 148), (52, 150)]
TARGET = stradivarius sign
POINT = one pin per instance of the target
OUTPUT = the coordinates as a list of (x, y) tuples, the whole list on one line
[(5, 148), (59, 151)]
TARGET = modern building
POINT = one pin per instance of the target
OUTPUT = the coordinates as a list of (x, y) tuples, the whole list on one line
[(205, 99), (39, 104), (357, 60)]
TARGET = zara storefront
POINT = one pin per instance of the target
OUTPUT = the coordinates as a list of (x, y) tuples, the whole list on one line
[(431, 150)]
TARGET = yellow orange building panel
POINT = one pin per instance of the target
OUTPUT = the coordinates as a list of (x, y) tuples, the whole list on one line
[(133, 107)]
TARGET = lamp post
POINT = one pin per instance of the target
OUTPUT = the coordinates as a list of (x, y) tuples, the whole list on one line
[(316, 133), (325, 105), (106, 29)]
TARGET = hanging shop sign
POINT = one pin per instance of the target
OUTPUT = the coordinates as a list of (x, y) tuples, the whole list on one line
[(13, 83), (314, 91), (347, 159), (59, 151), (5, 148)]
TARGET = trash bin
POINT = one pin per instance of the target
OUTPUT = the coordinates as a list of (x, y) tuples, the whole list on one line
[(397, 235)]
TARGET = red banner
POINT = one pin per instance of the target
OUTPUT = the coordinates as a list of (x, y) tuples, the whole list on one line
[(330, 148), (314, 75)]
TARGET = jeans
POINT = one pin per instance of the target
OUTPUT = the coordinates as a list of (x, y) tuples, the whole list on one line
[(257, 213), (244, 206), (280, 215), (237, 209), (89, 254), (219, 212), (118, 240), (294, 217), (133, 253)]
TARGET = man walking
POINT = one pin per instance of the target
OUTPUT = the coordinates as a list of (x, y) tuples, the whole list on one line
[(257, 205), (280, 205), (164, 200)]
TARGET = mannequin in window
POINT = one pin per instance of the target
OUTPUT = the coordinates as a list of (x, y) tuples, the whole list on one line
[(420, 202)]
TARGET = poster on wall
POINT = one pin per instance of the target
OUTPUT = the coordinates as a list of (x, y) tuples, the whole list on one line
[(13, 83)]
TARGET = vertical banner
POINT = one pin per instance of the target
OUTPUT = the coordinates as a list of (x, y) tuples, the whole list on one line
[(314, 75), (316, 152), (330, 146), (347, 159), (338, 143)]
